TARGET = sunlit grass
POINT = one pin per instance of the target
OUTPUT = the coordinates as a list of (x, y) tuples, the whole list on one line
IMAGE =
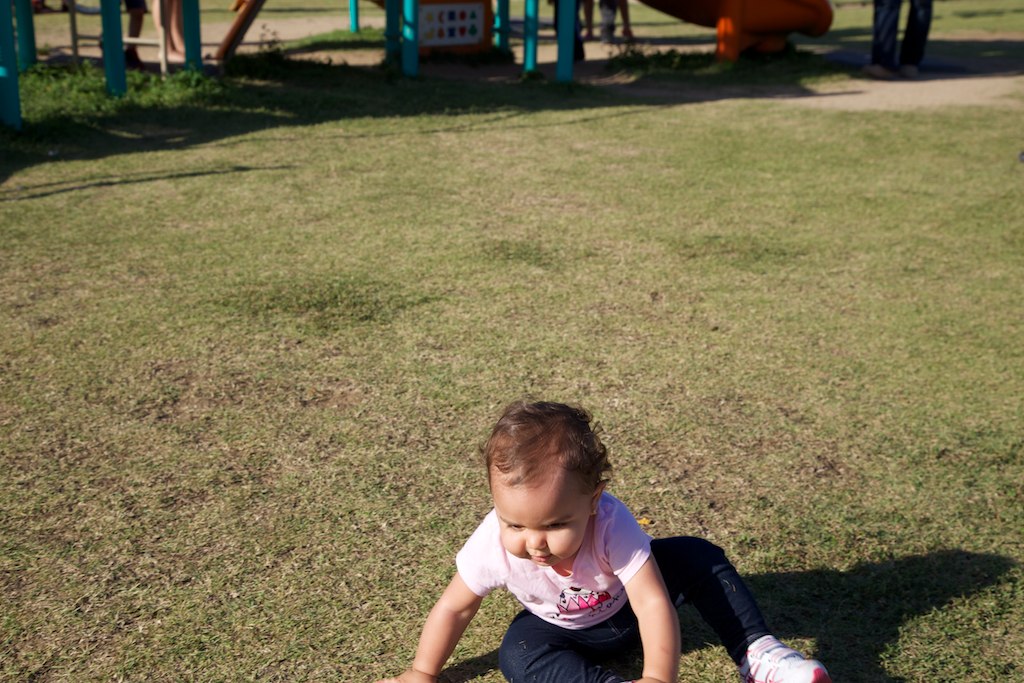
[(255, 329)]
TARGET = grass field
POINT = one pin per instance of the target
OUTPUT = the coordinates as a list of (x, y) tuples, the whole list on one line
[(255, 329)]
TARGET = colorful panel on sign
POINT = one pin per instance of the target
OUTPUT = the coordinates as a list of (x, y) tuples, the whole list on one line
[(451, 24)]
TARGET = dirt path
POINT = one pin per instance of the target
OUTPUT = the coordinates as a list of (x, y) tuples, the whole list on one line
[(950, 83)]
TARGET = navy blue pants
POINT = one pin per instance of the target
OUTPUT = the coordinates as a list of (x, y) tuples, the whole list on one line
[(886, 27), (695, 571)]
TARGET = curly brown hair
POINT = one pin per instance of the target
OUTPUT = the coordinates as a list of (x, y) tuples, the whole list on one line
[(529, 438)]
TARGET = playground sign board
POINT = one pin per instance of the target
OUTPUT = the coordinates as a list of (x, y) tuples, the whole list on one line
[(449, 26)]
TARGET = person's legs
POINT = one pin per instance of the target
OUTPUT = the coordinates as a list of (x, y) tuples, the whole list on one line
[(627, 27), (919, 20), (177, 20), (172, 25), (607, 8), (540, 652), (136, 13), (136, 10), (135, 19), (695, 571), (883, 36), (698, 572), (588, 19)]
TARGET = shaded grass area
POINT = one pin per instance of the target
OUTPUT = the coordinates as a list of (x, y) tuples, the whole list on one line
[(327, 303), (255, 329), (67, 103), (67, 113), (792, 66)]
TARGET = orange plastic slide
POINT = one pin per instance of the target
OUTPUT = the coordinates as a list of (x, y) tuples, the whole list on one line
[(761, 25)]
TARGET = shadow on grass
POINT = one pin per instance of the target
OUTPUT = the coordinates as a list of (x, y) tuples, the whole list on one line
[(944, 57), (328, 44), (854, 616), (69, 116), (55, 188)]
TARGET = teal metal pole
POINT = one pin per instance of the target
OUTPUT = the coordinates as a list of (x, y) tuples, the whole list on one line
[(193, 35), (392, 30), (26, 34), (113, 48), (353, 15), (410, 37), (10, 100), (566, 39), (501, 26), (531, 19)]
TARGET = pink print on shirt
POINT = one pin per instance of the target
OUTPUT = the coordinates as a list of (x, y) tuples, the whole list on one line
[(577, 599)]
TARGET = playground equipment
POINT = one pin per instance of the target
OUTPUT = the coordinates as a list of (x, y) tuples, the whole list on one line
[(12, 61), (245, 14), (77, 37), (418, 27), (760, 25), (457, 26), (10, 100)]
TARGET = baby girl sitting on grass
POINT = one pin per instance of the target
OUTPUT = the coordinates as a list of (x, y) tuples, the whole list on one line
[(591, 581)]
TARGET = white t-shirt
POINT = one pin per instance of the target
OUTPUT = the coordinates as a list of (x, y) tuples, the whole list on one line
[(614, 549)]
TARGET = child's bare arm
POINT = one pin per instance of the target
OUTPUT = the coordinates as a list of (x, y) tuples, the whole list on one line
[(659, 624), (445, 625)]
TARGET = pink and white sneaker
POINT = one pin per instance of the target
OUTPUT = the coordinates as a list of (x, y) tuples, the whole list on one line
[(769, 661)]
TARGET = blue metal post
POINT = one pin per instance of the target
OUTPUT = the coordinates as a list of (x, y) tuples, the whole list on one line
[(531, 19), (410, 37), (10, 101), (566, 39), (501, 26), (26, 34), (353, 15), (192, 34), (113, 48), (392, 30)]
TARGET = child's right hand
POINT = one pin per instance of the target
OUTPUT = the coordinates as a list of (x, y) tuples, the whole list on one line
[(411, 676)]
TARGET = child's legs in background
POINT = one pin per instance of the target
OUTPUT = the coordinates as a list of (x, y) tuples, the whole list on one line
[(699, 572), (538, 651), (136, 12), (607, 8)]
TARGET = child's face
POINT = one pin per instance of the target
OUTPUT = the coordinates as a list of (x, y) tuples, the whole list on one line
[(544, 521)]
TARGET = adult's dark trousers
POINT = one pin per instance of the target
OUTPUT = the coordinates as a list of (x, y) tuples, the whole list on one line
[(886, 27), (695, 571)]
